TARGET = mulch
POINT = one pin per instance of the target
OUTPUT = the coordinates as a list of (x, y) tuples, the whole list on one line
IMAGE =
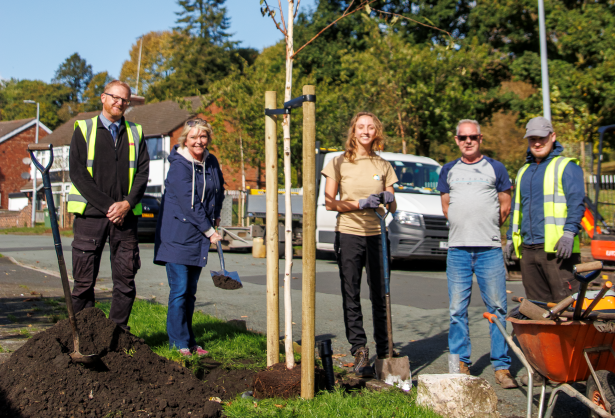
[(40, 380)]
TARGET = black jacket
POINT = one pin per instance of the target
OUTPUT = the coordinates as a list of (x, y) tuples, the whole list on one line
[(110, 181)]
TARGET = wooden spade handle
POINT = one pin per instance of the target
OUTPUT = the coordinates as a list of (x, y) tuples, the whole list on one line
[(39, 147), (591, 266)]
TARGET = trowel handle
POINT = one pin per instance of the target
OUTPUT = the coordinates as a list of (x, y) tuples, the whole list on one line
[(221, 256)]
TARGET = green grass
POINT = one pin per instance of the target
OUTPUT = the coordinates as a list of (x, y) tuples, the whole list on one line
[(12, 318), (226, 344), (37, 230), (364, 403), (236, 348)]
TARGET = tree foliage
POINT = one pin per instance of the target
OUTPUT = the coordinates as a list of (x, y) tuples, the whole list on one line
[(75, 73)]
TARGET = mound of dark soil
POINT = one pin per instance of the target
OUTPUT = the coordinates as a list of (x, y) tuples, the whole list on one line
[(39, 379), (226, 282), (279, 382)]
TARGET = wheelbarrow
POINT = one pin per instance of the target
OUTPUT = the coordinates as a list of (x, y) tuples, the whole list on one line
[(76, 356), (565, 352)]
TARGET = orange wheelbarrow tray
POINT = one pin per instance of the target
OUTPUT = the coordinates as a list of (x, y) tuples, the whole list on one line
[(563, 352)]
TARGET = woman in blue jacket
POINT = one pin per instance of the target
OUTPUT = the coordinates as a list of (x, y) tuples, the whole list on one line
[(194, 191)]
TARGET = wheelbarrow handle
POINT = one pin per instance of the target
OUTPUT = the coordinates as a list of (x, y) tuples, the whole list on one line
[(41, 147), (489, 317)]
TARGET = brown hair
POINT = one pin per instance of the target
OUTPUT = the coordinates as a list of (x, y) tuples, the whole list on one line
[(201, 124), (117, 83), (351, 141)]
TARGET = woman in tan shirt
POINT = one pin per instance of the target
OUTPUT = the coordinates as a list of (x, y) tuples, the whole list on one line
[(361, 176)]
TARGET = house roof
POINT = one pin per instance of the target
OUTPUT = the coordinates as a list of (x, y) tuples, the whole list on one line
[(10, 128), (160, 118)]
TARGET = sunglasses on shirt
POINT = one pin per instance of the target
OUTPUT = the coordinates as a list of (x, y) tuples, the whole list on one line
[(462, 138)]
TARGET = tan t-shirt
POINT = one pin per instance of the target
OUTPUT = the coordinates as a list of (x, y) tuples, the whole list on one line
[(357, 181)]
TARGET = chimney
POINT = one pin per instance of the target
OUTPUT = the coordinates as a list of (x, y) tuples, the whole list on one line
[(137, 100)]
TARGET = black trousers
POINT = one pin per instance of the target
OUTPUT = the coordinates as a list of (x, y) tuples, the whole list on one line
[(90, 237), (354, 252), (545, 277)]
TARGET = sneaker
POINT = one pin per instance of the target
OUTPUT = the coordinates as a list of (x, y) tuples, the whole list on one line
[(198, 350), (464, 368), (185, 352), (505, 379), (538, 379), (386, 356), (361, 363)]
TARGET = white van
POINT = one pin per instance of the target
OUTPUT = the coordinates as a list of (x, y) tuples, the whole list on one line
[(418, 229)]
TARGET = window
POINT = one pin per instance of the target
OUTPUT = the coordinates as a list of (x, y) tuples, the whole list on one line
[(416, 177), (154, 148)]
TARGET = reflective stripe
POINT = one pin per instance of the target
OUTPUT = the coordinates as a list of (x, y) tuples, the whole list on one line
[(90, 163), (555, 199), (136, 137), (76, 198), (552, 220), (88, 125), (132, 164)]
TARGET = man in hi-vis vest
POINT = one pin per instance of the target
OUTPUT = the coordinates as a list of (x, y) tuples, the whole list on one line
[(109, 169), (547, 212)]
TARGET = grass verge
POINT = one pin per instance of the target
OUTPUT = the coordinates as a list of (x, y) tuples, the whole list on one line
[(236, 348), (357, 404), (37, 230)]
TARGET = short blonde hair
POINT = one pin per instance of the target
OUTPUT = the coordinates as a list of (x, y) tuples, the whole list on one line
[(201, 124), (351, 141), (118, 83)]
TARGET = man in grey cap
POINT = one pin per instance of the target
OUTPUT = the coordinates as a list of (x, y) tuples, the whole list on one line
[(546, 219)]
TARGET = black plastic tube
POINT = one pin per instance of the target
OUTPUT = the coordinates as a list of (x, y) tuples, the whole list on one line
[(326, 355)]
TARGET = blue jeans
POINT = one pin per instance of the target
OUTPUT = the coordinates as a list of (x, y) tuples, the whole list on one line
[(488, 265), (182, 281)]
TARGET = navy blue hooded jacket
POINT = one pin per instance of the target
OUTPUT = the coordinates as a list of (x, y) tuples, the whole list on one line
[(181, 225), (532, 198)]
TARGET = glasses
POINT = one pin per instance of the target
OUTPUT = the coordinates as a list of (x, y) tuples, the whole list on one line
[(118, 99), (197, 121), (462, 138)]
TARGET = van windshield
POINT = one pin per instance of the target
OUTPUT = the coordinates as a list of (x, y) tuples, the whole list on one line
[(416, 177)]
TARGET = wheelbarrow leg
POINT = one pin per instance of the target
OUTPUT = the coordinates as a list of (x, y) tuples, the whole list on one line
[(530, 371), (573, 393), (541, 402)]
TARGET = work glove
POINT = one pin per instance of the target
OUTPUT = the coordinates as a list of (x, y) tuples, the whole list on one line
[(509, 249), (386, 197), (372, 202), (563, 248)]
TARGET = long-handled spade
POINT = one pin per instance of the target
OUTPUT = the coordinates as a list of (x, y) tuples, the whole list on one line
[(225, 279), (76, 356), (391, 370)]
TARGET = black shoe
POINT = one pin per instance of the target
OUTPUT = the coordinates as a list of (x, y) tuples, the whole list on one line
[(361, 363), (386, 355)]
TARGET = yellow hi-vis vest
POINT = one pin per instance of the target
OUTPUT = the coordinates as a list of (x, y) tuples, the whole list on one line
[(555, 208), (76, 202)]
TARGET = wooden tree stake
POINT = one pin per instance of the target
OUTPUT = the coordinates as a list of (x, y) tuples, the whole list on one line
[(271, 239), (308, 305)]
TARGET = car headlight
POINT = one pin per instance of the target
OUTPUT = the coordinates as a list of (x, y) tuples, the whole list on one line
[(408, 218)]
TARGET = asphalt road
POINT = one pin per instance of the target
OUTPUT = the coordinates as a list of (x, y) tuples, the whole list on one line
[(418, 293)]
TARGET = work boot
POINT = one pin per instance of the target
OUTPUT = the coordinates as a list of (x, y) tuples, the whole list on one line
[(464, 368), (538, 379), (361, 363), (505, 379)]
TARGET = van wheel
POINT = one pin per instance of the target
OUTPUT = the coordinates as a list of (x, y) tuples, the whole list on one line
[(607, 381)]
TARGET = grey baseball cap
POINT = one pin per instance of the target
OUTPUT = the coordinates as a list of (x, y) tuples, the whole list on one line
[(538, 127)]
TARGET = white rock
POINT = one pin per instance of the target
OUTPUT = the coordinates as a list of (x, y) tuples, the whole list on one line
[(457, 396)]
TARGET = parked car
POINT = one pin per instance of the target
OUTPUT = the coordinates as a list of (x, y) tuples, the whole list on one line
[(148, 220)]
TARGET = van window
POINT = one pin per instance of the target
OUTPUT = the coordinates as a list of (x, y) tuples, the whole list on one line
[(416, 177)]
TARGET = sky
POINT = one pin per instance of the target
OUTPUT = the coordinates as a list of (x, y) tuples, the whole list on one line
[(38, 35)]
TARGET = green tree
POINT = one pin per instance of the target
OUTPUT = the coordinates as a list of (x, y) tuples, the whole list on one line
[(75, 73), (50, 96), (204, 19), (199, 58)]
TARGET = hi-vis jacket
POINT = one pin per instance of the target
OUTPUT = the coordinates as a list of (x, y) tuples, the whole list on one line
[(103, 171), (547, 200)]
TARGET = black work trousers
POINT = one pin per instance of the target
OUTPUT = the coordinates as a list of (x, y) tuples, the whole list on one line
[(545, 277), (91, 234), (354, 252)]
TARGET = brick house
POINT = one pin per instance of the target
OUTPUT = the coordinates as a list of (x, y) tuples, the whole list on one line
[(15, 135), (162, 125)]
